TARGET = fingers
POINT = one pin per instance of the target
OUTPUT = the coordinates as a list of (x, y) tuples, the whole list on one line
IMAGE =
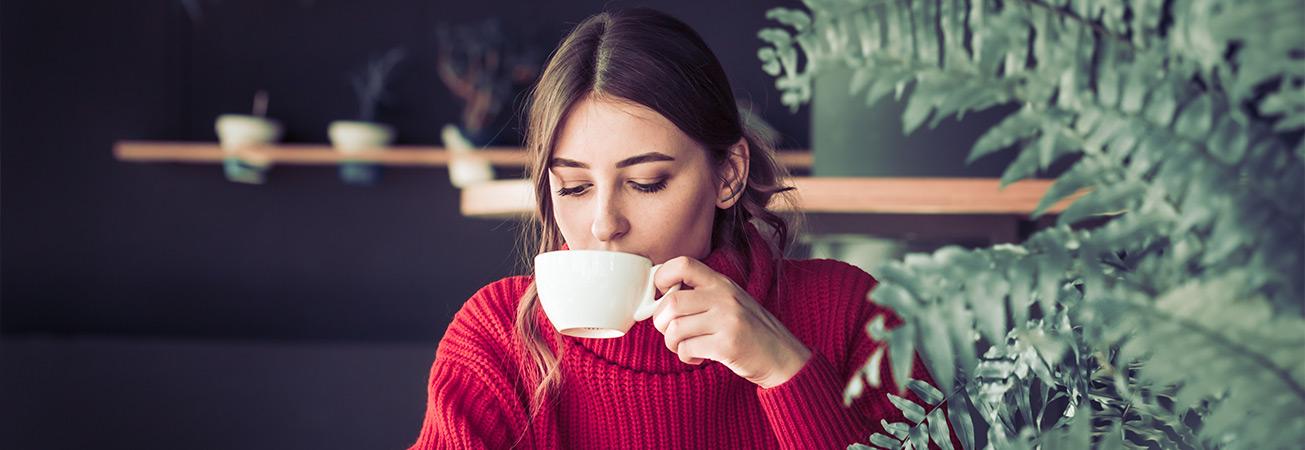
[(692, 325), (689, 337), (678, 304), (691, 272)]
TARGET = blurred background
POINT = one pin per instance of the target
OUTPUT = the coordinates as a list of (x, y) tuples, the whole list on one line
[(162, 306)]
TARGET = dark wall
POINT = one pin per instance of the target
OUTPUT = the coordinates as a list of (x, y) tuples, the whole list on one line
[(91, 246)]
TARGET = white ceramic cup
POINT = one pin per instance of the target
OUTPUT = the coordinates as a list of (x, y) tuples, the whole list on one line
[(596, 293)]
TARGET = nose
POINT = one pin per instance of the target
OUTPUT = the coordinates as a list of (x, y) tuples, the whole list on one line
[(609, 219)]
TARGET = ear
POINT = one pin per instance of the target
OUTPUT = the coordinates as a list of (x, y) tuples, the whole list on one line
[(734, 176)]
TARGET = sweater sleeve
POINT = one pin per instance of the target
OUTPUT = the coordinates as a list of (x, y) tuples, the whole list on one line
[(471, 403), (459, 414), (807, 411)]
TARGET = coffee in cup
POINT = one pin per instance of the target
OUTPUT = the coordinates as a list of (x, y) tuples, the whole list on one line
[(596, 293)]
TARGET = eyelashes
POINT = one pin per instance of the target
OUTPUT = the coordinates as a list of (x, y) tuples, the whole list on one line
[(566, 191), (649, 188), (640, 187)]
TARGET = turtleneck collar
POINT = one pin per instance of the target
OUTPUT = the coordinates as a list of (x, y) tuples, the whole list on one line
[(643, 348)]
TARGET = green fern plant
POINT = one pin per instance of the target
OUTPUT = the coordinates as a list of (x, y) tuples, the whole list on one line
[(1180, 321)]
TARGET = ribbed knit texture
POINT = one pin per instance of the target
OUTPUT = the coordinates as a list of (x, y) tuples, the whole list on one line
[(633, 393)]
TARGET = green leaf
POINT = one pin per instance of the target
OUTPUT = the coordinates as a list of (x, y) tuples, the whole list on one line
[(961, 322), (1136, 86), (1106, 128), (920, 434), (1107, 78), (861, 77), (1024, 166), (867, 25), (1286, 101), (894, 296), (876, 328), (795, 18), (926, 36), (988, 297), (1019, 126), (939, 431), (1230, 141), (936, 344), (1112, 438), (883, 84), (928, 393), (770, 62), (873, 368), (901, 353), (954, 55), (1076, 434), (854, 389), (778, 37), (898, 429), (1054, 144), (885, 441), (1047, 146), (897, 43), (1161, 106), (914, 413), (1087, 120), (1081, 175), (1194, 120), (1107, 199), (958, 413), (1289, 122), (921, 104)]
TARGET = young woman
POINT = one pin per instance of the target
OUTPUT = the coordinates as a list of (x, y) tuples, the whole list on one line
[(637, 146)]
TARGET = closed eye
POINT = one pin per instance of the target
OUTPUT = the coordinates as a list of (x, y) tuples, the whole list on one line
[(568, 191), (649, 188)]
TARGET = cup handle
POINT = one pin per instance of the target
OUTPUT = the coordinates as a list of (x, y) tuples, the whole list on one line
[(649, 304)]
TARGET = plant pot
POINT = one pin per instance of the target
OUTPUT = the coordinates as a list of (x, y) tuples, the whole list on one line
[(465, 166), (353, 138), (863, 251), (236, 132)]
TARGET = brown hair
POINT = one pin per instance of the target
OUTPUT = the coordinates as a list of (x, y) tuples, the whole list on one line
[(654, 60)]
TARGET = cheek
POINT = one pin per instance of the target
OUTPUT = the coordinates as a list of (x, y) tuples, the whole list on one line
[(570, 220), (693, 212)]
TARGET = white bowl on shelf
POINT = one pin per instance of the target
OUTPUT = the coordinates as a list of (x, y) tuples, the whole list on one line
[(351, 137), (238, 130)]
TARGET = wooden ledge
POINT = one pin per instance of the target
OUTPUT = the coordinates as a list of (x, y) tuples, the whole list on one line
[(321, 154), (303, 154)]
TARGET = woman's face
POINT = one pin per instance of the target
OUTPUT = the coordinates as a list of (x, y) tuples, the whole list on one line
[(624, 178)]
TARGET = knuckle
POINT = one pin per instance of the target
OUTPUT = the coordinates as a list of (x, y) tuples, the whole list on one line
[(671, 336), (685, 358), (679, 263)]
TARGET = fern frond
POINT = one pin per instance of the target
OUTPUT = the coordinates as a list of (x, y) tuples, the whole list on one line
[(1175, 110)]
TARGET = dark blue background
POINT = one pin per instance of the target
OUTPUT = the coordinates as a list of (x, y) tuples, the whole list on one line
[(161, 306)]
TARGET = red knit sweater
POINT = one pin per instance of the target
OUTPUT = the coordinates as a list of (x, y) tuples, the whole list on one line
[(632, 392)]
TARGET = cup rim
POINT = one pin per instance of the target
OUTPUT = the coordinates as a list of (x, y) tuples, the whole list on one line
[(612, 253)]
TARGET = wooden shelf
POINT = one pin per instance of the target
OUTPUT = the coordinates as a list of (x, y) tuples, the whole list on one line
[(303, 154), (920, 196), (320, 154)]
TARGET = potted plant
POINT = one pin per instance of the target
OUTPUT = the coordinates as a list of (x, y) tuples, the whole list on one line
[(239, 133), (483, 67), (1173, 318), (356, 137)]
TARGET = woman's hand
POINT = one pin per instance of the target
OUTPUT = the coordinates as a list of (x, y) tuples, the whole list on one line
[(712, 318)]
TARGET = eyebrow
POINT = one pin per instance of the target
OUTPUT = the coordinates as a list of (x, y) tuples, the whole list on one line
[(627, 162)]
